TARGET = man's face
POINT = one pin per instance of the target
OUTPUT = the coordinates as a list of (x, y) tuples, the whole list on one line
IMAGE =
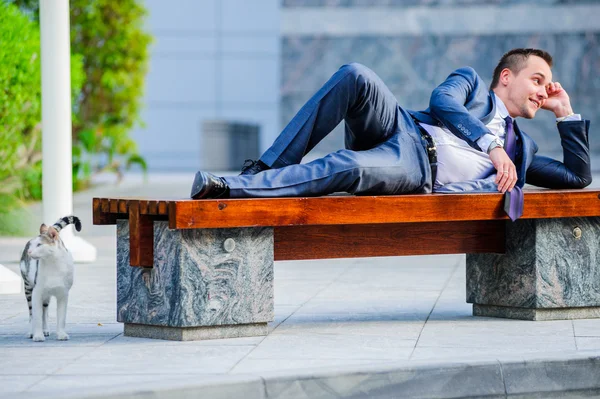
[(527, 90)]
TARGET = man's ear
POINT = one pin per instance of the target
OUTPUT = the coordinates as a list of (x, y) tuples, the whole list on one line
[(505, 76)]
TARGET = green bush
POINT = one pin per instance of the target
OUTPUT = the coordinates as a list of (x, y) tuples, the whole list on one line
[(110, 36), (19, 92), (20, 106), (108, 71)]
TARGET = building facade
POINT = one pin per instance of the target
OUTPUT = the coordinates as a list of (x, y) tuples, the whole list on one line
[(259, 61)]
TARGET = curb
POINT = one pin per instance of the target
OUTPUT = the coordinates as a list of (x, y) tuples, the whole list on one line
[(545, 377)]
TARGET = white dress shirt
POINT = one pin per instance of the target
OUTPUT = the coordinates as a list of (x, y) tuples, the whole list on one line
[(458, 161)]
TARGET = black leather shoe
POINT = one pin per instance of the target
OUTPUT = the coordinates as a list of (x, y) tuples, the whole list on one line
[(207, 185), (251, 167)]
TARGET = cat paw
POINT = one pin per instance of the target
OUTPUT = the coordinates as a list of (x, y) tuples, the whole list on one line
[(62, 336), (38, 338), (30, 335), (46, 333)]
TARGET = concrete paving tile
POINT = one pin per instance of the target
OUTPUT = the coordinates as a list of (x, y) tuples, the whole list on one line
[(291, 292), (66, 383), (330, 346), (452, 306), (302, 270), (353, 324), (370, 291), (166, 359), (6, 317), (154, 386), (415, 262), (588, 343), (399, 278), (11, 384), (282, 312), (132, 342), (497, 333), (95, 328), (499, 326), (75, 340), (250, 365), (409, 309), (471, 354), (19, 325), (587, 328), (48, 359)]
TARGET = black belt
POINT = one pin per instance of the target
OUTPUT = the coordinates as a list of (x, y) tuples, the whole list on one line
[(431, 152)]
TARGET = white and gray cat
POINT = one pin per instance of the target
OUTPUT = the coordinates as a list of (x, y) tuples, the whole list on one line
[(47, 270)]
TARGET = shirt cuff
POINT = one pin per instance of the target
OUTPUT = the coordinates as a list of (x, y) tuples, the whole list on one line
[(574, 117), (485, 141)]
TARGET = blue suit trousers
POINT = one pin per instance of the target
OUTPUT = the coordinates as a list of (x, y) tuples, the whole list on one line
[(385, 153)]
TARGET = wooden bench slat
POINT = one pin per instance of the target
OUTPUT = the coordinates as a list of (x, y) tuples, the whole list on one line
[(162, 208), (105, 205), (123, 208), (99, 217), (113, 205), (152, 207), (345, 210), (352, 241), (332, 210), (141, 237)]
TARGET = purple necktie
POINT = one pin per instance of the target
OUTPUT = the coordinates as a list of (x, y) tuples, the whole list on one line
[(513, 201)]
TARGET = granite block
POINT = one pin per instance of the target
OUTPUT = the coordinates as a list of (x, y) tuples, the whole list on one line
[(545, 267), (198, 280)]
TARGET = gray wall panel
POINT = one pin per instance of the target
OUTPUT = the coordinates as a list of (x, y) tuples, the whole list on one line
[(413, 64), (211, 59)]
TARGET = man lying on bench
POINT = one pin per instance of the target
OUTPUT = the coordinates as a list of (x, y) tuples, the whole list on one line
[(467, 140)]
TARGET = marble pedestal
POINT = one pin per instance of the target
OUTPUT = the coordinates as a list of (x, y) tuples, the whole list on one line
[(550, 271), (205, 284)]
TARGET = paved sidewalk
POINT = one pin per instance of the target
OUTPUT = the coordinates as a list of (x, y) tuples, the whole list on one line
[(369, 327)]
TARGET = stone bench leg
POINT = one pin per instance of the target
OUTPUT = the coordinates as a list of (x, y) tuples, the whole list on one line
[(205, 284), (551, 271)]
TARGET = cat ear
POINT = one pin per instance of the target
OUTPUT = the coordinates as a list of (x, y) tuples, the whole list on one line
[(52, 233), (43, 228)]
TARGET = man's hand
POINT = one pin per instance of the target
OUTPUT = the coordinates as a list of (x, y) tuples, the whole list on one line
[(506, 178), (558, 100)]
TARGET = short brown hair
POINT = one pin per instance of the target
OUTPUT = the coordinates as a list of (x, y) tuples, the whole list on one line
[(515, 60)]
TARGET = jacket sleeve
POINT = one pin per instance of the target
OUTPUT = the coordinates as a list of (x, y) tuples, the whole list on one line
[(447, 104), (575, 170)]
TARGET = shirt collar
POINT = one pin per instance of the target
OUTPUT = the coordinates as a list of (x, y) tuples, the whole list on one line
[(501, 108)]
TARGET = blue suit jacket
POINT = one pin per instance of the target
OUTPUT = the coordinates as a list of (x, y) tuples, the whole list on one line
[(464, 105)]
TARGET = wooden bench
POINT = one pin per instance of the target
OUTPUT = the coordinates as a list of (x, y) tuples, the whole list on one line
[(204, 269)]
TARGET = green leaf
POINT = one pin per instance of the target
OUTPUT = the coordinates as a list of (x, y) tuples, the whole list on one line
[(88, 139), (138, 160)]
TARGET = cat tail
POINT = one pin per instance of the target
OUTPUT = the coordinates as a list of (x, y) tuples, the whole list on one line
[(63, 222), (26, 262)]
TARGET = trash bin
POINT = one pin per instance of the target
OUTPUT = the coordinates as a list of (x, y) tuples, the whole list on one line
[(226, 144)]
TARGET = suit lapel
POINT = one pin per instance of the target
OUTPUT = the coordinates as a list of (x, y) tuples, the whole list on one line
[(487, 118)]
